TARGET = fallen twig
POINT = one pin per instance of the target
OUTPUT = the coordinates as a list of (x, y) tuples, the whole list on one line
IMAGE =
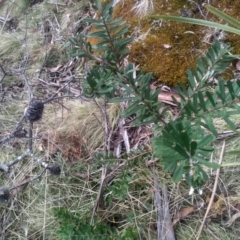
[(233, 219), (100, 193)]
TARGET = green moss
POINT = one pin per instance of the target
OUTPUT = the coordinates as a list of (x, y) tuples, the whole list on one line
[(187, 43), (168, 65)]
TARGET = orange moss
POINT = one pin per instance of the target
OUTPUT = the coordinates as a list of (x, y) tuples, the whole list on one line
[(170, 66), (92, 40), (187, 43)]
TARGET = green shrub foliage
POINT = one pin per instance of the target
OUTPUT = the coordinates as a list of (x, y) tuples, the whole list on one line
[(183, 143)]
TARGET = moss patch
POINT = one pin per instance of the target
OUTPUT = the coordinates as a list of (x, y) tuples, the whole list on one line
[(168, 65), (187, 42)]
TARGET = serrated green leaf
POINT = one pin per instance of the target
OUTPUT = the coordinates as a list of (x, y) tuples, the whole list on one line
[(210, 98), (230, 123), (195, 101), (123, 99), (207, 163), (170, 167), (201, 101), (209, 124), (91, 20), (105, 90), (202, 173), (180, 150), (231, 90), (178, 172), (193, 148), (205, 141), (121, 32), (130, 110)]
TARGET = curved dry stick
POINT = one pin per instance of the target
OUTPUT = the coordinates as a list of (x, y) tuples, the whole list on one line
[(213, 193)]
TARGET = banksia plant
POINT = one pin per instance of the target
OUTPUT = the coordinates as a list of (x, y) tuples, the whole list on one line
[(182, 143)]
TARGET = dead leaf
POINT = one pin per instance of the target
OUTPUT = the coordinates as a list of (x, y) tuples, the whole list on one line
[(167, 97), (55, 69), (154, 86), (184, 212), (68, 18), (238, 64), (233, 219), (82, 175)]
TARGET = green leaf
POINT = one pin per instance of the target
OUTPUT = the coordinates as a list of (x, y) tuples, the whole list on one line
[(91, 20), (205, 141), (209, 124), (193, 147), (123, 99), (170, 167), (105, 90), (207, 163), (99, 34), (201, 101), (210, 98), (230, 123), (223, 16), (177, 147), (222, 94), (178, 172), (121, 32), (202, 173), (234, 152), (130, 110), (231, 90), (197, 22)]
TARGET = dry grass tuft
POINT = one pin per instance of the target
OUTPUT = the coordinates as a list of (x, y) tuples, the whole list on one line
[(143, 7), (77, 130)]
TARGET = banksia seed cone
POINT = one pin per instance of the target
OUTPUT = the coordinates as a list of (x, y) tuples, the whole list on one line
[(4, 194), (54, 169), (34, 111)]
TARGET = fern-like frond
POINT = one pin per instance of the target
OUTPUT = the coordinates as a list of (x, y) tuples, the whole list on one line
[(111, 34), (215, 62), (197, 101)]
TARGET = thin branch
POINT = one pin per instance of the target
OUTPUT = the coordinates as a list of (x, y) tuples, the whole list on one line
[(100, 193), (6, 166), (29, 181), (59, 90), (12, 134), (4, 73), (30, 133)]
